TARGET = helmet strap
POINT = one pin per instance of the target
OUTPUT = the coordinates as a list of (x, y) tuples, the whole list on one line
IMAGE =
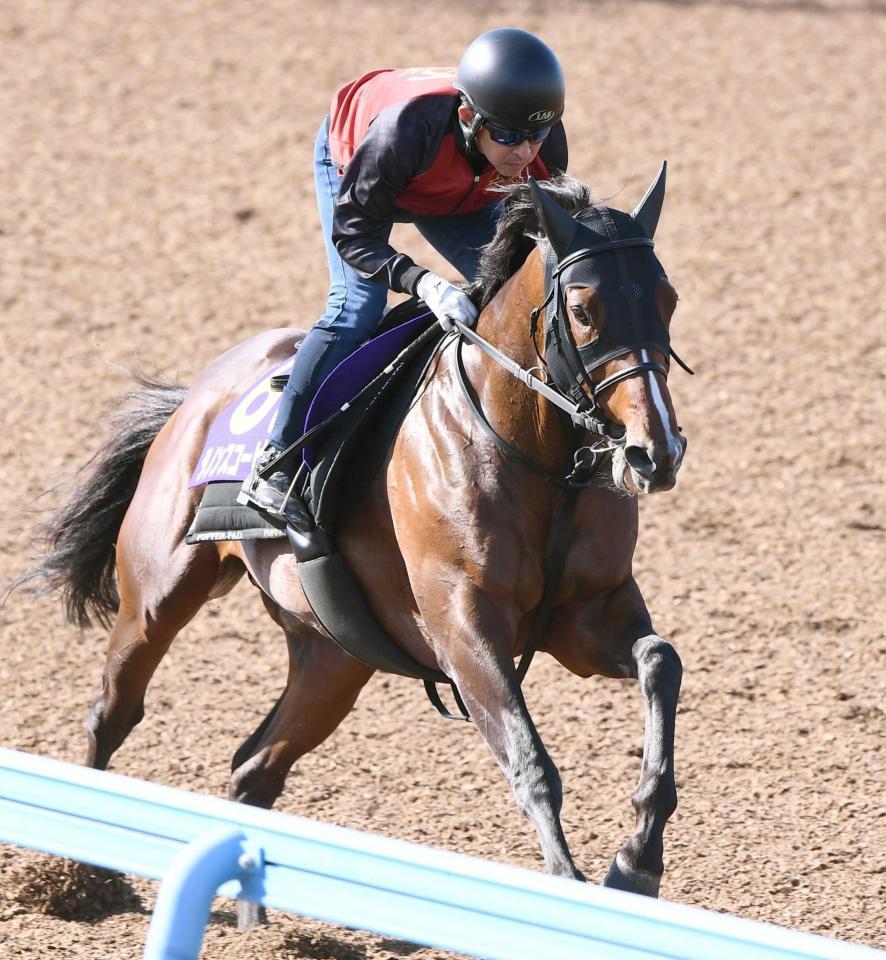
[(470, 130)]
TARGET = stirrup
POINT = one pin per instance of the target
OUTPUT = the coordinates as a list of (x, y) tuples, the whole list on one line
[(246, 495), (292, 509)]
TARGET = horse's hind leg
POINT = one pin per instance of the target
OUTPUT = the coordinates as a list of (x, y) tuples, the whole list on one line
[(159, 594), (248, 747), (322, 686), (638, 865)]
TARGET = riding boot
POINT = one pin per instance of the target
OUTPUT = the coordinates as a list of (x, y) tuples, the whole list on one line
[(275, 494)]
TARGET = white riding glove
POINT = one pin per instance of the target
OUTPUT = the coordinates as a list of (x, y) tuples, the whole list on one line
[(447, 302)]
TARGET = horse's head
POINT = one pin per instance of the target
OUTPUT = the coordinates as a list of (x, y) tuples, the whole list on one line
[(607, 340)]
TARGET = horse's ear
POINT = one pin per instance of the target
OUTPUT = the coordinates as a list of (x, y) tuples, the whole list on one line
[(648, 210), (558, 225)]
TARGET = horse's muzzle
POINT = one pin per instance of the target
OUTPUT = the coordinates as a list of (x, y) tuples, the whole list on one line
[(653, 466)]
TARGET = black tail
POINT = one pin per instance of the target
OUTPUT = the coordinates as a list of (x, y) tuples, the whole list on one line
[(80, 538)]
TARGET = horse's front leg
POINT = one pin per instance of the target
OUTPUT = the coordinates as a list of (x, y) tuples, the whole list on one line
[(487, 681), (639, 864), (612, 635)]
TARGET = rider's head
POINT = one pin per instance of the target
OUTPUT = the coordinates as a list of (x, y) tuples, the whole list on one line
[(513, 91)]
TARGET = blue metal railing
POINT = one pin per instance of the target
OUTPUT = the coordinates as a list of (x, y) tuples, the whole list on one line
[(199, 846)]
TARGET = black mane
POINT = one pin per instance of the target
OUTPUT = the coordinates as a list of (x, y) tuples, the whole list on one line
[(518, 231)]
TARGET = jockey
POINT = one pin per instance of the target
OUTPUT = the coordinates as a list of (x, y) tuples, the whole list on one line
[(422, 146)]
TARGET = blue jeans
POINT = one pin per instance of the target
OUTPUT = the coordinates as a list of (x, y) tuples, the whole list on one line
[(356, 305)]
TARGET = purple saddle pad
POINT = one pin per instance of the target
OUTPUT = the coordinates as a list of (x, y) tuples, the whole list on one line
[(359, 369), (238, 433)]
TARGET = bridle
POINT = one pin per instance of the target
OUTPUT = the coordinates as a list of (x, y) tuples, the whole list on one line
[(569, 385), (573, 365)]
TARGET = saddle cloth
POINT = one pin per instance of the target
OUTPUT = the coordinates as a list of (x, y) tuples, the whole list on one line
[(344, 459)]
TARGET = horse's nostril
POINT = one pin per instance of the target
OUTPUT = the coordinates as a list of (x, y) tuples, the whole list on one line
[(639, 461)]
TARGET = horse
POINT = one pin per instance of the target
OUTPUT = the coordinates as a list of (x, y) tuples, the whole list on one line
[(452, 539)]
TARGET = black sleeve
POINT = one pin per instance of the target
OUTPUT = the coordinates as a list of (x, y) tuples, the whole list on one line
[(397, 147), (555, 151)]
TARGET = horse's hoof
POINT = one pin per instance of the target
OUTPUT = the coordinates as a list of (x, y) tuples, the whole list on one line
[(622, 876)]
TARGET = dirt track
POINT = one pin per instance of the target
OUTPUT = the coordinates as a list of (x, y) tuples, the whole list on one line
[(157, 208)]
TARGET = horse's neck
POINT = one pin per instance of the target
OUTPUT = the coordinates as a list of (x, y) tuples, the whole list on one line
[(505, 320), (518, 414)]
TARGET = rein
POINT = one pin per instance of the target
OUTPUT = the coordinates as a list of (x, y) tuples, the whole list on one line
[(585, 459), (581, 418)]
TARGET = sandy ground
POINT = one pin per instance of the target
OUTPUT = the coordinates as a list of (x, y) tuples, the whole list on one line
[(156, 208)]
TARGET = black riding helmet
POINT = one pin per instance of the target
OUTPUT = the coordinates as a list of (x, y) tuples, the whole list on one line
[(512, 80)]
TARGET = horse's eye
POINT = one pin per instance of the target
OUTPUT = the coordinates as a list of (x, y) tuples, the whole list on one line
[(580, 314)]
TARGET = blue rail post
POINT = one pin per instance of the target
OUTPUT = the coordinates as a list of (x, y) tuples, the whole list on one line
[(185, 898)]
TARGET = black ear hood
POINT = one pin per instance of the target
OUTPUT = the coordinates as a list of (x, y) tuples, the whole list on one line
[(565, 233), (559, 227), (648, 210), (610, 251)]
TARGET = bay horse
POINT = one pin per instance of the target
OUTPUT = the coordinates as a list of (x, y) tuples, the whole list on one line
[(451, 540)]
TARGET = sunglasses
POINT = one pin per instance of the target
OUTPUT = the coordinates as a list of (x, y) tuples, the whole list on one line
[(513, 138)]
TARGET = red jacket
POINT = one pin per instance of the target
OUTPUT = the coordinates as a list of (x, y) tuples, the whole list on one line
[(395, 136)]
